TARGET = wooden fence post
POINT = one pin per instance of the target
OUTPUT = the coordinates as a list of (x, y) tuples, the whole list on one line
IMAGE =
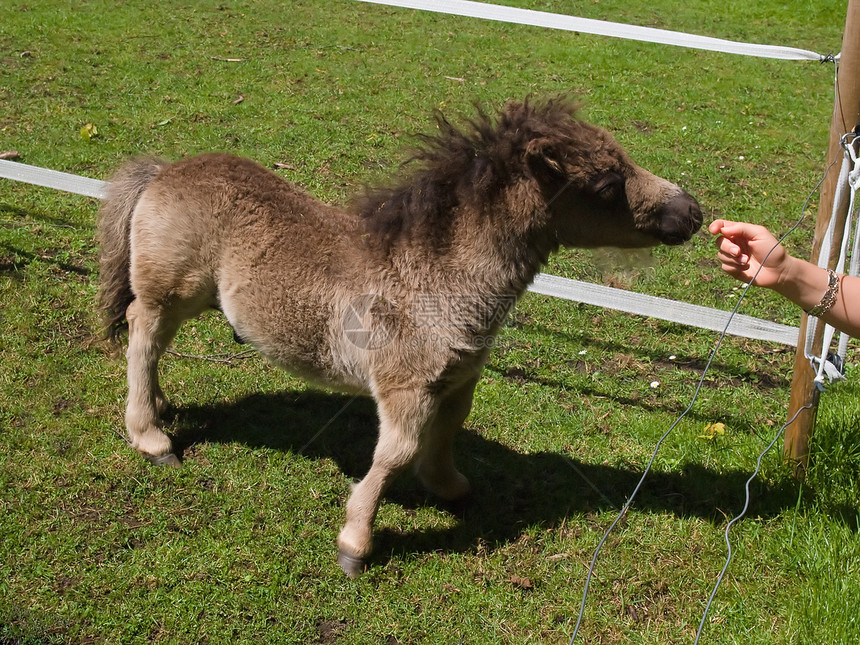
[(846, 116)]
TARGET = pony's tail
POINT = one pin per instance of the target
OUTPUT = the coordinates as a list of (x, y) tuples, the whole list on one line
[(114, 229)]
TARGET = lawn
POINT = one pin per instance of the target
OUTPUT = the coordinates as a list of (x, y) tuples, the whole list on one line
[(238, 546)]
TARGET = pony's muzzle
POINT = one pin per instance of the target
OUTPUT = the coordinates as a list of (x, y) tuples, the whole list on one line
[(680, 218)]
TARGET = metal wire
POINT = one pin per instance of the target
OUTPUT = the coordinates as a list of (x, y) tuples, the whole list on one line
[(738, 517)]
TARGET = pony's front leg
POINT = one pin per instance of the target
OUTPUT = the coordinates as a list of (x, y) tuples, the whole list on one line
[(403, 417), (149, 333), (435, 464)]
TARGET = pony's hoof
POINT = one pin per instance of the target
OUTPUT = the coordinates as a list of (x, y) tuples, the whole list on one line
[(457, 507), (351, 565), (168, 459)]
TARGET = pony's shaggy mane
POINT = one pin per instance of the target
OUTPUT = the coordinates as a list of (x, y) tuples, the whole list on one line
[(466, 167)]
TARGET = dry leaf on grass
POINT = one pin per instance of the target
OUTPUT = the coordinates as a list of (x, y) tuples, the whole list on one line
[(522, 583)]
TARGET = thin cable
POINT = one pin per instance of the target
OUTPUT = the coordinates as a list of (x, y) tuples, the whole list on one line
[(647, 470), (740, 515), (362, 393)]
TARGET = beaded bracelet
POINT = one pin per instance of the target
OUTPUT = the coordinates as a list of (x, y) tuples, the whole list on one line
[(829, 297)]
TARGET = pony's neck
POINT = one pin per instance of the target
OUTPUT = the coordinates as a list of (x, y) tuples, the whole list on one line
[(504, 249), (496, 253)]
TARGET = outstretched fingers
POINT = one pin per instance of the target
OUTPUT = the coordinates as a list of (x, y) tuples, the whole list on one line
[(749, 251)]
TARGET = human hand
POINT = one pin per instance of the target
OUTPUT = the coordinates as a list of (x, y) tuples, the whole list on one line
[(749, 251)]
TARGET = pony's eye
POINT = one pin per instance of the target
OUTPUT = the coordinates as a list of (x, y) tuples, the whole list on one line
[(609, 187)]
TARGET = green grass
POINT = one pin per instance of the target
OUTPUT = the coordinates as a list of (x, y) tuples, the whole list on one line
[(238, 545)]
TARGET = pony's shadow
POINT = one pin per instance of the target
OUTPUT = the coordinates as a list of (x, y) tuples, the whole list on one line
[(511, 490)]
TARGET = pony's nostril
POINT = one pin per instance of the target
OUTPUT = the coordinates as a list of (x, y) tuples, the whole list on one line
[(695, 213), (680, 218)]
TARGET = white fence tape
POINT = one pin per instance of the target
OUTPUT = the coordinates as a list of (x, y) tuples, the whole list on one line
[(664, 309), (550, 285), (563, 22), (52, 179)]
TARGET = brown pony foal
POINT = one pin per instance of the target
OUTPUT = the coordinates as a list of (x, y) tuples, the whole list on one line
[(398, 297)]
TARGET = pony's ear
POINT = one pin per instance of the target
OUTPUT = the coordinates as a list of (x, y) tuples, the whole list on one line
[(542, 160)]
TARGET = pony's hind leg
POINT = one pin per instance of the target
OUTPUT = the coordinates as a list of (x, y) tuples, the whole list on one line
[(403, 418), (150, 330)]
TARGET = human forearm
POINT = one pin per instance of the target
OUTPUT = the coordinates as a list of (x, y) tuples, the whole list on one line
[(805, 284)]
